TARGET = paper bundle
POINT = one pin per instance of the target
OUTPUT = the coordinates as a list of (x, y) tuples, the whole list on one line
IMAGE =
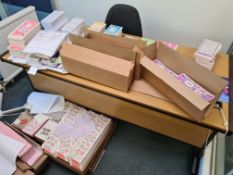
[(54, 21), (97, 27), (75, 26), (21, 36), (45, 44), (206, 53), (114, 30)]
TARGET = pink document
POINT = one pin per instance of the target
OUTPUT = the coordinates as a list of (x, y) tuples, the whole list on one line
[(5, 130)]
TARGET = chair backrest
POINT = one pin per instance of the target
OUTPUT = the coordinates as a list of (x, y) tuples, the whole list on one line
[(125, 16)]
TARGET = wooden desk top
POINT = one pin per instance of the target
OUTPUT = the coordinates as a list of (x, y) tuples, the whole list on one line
[(214, 119)]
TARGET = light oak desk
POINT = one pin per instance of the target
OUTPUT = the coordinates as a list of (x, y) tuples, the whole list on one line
[(140, 109)]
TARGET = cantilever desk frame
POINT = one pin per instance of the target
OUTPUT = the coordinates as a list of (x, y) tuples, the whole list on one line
[(137, 108)]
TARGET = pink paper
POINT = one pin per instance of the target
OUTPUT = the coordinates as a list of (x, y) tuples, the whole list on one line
[(25, 28), (32, 155), (5, 130)]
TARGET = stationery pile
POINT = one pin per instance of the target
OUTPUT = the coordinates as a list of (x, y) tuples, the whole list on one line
[(45, 44), (39, 49), (13, 146), (21, 36), (206, 53)]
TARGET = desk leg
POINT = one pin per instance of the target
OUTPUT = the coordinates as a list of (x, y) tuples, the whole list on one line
[(199, 152)]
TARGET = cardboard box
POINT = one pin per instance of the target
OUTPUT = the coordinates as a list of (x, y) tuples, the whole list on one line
[(96, 66), (175, 90), (103, 47), (125, 41)]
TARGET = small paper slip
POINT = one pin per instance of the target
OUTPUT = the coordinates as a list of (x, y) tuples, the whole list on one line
[(9, 151), (45, 44), (195, 87), (208, 49), (33, 70), (114, 30), (35, 124), (45, 103)]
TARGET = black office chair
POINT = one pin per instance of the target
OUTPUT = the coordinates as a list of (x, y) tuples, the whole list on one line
[(125, 16)]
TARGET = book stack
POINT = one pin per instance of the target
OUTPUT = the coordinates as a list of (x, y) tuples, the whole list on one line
[(97, 27), (77, 136), (206, 53), (21, 36), (114, 30), (75, 26), (54, 21)]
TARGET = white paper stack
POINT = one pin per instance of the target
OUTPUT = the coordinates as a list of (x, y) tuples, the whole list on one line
[(97, 27), (75, 26), (45, 44), (206, 53), (55, 21)]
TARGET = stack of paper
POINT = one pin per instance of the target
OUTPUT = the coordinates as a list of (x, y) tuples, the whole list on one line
[(21, 36), (206, 53), (114, 30), (97, 27), (45, 44), (55, 21), (77, 136), (75, 26), (26, 150), (24, 33)]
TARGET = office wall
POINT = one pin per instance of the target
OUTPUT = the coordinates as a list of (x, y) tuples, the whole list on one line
[(179, 21)]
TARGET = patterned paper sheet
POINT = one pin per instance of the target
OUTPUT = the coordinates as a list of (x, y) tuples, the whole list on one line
[(67, 145)]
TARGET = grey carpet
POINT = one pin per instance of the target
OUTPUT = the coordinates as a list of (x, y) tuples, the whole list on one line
[(132, 149)]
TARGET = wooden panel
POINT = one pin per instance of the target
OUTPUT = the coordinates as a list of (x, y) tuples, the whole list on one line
[(124, 110)]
